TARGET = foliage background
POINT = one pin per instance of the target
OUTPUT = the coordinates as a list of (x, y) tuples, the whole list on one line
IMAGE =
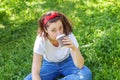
[(96, 27)]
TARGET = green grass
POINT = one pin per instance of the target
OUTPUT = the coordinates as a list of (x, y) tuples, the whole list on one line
[(96, 27)]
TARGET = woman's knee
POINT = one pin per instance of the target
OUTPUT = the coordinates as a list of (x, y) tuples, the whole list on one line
[(85, 73)]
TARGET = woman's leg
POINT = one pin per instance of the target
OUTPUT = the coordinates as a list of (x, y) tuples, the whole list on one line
[(82, 74), (48, 71), (71, 72)]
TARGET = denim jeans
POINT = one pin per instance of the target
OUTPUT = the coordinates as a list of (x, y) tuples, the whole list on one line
[(51, 70)]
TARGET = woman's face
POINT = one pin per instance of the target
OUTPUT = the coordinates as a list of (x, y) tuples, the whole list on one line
[(54, 29)]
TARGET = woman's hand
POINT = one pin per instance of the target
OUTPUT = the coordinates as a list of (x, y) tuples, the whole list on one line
[(68, 43)]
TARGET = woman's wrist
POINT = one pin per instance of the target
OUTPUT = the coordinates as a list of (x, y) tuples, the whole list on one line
[(74, 48)]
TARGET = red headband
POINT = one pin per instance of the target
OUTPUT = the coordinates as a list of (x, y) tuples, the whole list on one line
[(48, 17)]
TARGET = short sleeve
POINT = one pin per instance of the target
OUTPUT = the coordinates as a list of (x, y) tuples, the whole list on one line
[(38, 46), (74, 40)]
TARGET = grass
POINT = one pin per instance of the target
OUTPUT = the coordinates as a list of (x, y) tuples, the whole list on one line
[(96, 27)]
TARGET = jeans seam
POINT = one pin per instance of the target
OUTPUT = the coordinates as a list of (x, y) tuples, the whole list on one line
[(48, 73)]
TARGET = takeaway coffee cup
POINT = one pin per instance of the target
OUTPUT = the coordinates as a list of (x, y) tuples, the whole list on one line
[(59, 39)]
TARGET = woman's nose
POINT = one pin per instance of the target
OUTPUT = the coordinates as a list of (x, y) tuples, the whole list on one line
[(59, 33)]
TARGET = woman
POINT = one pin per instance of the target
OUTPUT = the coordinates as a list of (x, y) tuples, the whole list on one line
[(50, 60)]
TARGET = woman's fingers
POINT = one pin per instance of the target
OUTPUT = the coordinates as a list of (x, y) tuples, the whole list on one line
[(67, 42)]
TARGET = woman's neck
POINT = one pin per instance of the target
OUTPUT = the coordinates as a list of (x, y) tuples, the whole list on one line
[(54, 42)]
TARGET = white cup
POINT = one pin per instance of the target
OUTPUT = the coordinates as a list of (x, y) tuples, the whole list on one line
[(59, 39)]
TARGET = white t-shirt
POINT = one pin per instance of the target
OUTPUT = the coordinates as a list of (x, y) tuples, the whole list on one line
[(51, 53)]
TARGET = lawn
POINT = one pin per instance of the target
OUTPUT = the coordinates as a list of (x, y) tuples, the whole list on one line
[(96, 25)]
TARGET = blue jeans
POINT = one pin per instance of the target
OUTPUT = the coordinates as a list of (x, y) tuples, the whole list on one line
[(51, 70)]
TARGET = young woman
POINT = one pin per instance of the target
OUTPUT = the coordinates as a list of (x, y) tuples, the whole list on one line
[(50, 60)]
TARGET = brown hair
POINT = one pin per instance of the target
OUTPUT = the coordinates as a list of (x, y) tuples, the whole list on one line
[(66, 24)]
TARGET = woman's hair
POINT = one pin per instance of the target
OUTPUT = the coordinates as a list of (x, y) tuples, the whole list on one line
[(42, 22)]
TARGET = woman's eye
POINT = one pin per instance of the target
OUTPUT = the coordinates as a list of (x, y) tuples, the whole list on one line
[(60, 28), (53, 30)]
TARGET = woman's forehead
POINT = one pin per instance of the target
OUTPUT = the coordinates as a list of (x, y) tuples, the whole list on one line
[(56, 24)]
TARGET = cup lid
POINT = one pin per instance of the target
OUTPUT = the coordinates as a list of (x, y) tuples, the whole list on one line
[(60, 36)]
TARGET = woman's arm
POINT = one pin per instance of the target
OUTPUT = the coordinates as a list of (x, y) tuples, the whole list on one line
[(75, 53), (77, 57), (36, 65)]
